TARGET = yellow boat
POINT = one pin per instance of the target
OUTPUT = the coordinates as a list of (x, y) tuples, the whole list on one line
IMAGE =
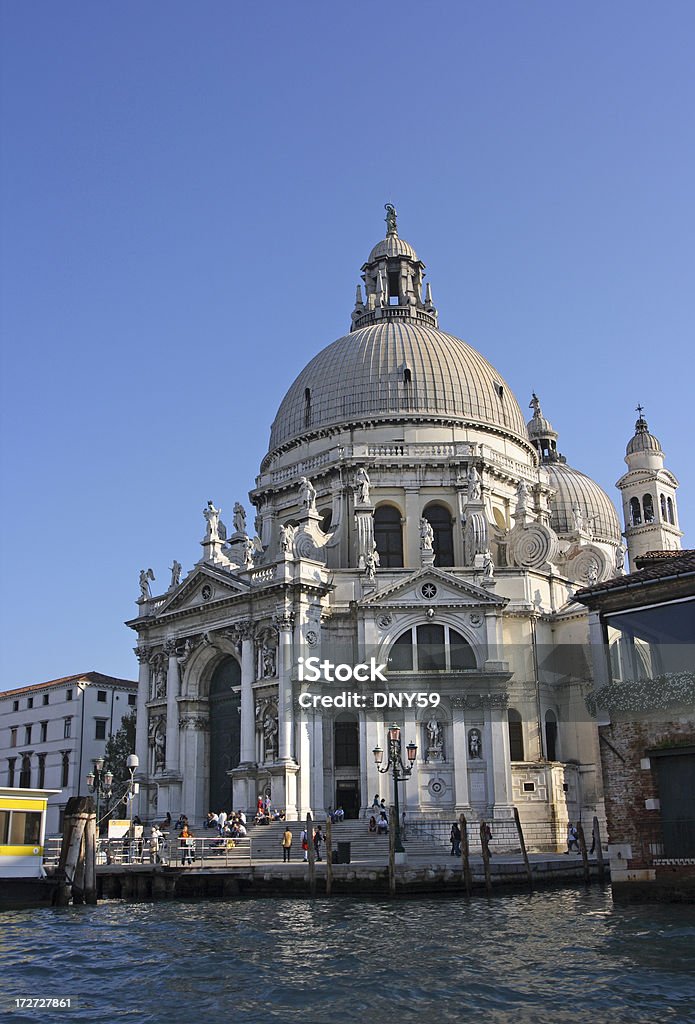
[(23, 880)]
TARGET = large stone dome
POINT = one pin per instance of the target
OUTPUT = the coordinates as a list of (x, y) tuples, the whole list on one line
[(575, 489), (397, 369)]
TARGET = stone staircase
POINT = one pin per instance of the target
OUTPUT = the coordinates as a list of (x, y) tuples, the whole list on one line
[(364, 846)]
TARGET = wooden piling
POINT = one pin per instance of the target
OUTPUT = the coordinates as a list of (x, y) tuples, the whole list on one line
[(329, 857), (392, 851), (486, 856), (585, 855), (465, 855), (90, 861), (71, 865), (522, 843), (311, 854), (599, 852)]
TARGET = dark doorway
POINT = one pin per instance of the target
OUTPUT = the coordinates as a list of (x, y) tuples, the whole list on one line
[(225, 732), (676, 773), (347, 796), (388, 535)]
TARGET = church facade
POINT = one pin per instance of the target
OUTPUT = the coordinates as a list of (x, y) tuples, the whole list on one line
[(407, 518)]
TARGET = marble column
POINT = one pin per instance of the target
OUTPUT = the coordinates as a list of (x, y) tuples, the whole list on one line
[(304, 756), (248, 719), (460, 752), (319, 811), (172, 748), (285, 708), (141, 723), (501, 764)]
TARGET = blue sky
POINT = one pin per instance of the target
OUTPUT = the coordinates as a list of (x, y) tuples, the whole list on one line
[(188, 193)]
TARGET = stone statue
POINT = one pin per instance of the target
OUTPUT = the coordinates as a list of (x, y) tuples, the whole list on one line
[(362, 484), (250, 551), (270, 730), (391, 228), (160, 678), (268, 662), (592, 574), (185, 654), (474, 484), (145, 576), (434, 733), (475, 745), (577, 518), (239, 518), (426, 535), (175, 574), (286, 538), (307, 494), (620, 558), (535, 404), (371, 563), (488, 565), (521, 496), (212, 515), (160, 746)]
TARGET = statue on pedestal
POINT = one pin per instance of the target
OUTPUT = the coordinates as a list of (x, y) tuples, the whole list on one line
[(307, 494), (239, 518), (175, 574), (362, 484), (426, 535), (145, 576)]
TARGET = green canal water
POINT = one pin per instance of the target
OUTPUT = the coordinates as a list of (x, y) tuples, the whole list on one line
[(561, 957)]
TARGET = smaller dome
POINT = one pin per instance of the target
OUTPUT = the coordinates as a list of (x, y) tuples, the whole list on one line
[(539, 427), (643, 441), (392, 246), (573, 488)]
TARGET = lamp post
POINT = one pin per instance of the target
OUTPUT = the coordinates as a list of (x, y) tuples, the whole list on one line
[(132, 764), (100, 783), (399, 770)]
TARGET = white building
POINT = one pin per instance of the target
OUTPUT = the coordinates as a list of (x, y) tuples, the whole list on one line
[(405, 510), (52, 733)]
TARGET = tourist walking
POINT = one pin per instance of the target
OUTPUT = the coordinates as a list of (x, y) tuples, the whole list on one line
[(286, 845), (156, 838), (187, 843), (305, 843), (318, 839), (572, 838)]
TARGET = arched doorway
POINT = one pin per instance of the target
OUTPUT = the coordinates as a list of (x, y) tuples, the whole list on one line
[(439, 518), (225, 732)]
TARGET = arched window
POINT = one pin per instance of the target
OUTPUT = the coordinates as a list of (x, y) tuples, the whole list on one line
[(346, 743), (664, 516), (550, 736), (388, 535), (648, 506), (671, 517), (439, 518), (431, 648), (65, 770), (25, 773), (635, 512), (516, 735)]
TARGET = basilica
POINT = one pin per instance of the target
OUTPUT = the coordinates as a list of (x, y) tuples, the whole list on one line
[(406, 517)]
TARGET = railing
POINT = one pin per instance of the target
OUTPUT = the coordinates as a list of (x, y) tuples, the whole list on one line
[(213, 851)]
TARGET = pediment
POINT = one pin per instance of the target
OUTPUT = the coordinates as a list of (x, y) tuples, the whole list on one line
[(432, 586), (204, 587)]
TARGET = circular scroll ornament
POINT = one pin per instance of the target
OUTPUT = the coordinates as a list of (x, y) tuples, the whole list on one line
[(588, 567), (532, 546)]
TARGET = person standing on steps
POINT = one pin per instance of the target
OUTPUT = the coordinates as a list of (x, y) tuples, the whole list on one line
[(286, 845)]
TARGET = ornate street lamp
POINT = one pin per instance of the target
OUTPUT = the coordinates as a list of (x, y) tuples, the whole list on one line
[(399, 770), (100, 783), (132, 764)]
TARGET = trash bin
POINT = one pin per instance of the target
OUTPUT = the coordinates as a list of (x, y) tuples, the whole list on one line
[(343, 853)]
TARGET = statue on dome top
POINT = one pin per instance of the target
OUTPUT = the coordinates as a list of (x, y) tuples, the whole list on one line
[(535, 404), (391, 228)]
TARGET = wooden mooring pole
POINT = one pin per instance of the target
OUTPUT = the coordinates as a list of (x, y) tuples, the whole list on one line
[(465, 855), (79, 841), (329, 857), (311, 855), (585, 855), (522, 843), (486, 856), (392, 851), (599, 851)]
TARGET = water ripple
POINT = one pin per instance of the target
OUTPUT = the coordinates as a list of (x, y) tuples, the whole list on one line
[(556, 957)]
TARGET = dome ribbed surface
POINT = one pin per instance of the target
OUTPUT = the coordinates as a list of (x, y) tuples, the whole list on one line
[(392, 246), (643, 441), (574, 488), (362, 376)]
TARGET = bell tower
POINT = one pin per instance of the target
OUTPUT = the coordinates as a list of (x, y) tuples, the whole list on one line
[(648, 490)]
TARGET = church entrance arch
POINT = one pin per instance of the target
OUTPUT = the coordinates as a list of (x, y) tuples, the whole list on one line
[(346, 764), (225, 732)]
